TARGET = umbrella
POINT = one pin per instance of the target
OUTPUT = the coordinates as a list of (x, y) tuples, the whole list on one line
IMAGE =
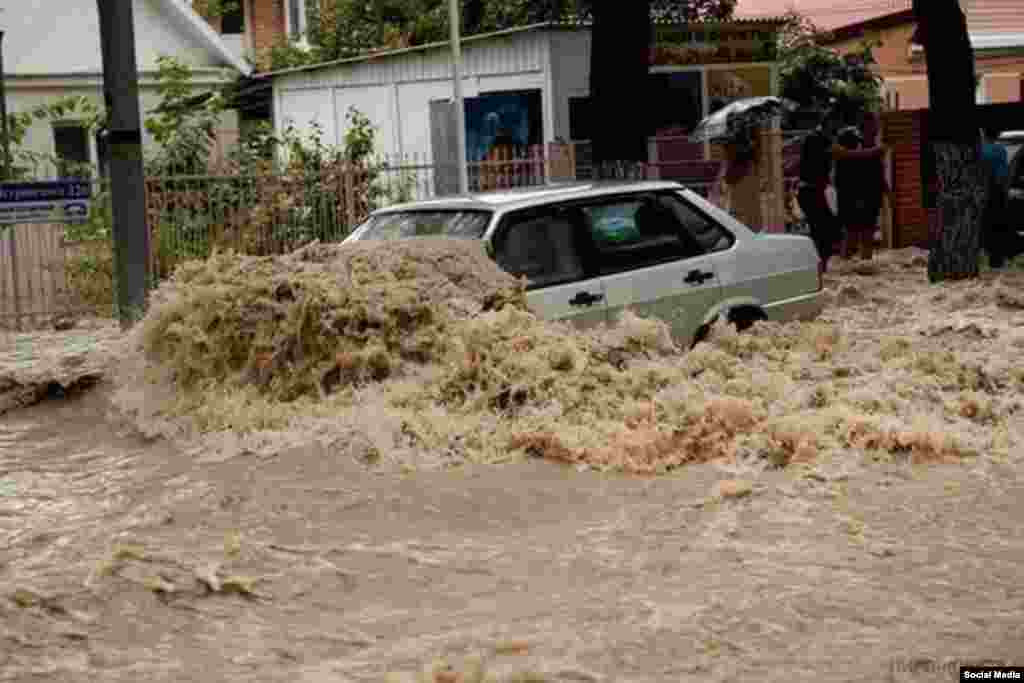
[(738, 116)]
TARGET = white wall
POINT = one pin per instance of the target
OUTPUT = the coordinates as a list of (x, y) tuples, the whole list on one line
[(400, 111), (570, 71), (39, 137), (377, 103), (52, 50), (305, 107), (414, 108), (63, 37), (395, 92)]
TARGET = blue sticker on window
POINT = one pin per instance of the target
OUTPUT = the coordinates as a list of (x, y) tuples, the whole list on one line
[(614, 224)]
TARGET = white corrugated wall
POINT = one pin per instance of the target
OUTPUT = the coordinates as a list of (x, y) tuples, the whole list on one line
[(395, 91), (570, 68)]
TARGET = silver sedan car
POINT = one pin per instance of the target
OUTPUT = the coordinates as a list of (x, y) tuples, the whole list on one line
[(591, 250)]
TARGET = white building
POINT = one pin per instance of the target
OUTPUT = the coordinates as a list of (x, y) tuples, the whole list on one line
[(532, 80), (52, 51)]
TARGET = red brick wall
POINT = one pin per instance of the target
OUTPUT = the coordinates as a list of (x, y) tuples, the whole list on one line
[(265, 21), (267, 25), (901, 130)]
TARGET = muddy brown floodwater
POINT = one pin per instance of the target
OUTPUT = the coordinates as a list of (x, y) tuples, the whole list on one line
[(127, 559)]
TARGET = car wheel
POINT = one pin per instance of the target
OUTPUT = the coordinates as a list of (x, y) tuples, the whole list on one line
[(703, 331), (745, 317)]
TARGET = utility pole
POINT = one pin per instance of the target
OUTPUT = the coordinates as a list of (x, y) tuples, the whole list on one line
[(460, 107), (127, 178), (3, 115)]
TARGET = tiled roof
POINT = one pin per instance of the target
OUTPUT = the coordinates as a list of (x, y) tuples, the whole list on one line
[(549, 25), (827, 14), (994, 16), (983, 16)]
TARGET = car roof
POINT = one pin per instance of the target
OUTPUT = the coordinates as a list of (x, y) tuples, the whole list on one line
[(1015, 135), (526, 197)]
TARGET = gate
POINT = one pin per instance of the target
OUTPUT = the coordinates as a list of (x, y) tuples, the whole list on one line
[(33, 277), (33, 284)]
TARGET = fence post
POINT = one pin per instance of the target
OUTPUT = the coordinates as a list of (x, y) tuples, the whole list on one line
[(12, 240), (654, 172), (350, 208), (889, 212)]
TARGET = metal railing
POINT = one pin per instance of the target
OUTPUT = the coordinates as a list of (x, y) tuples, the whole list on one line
[(266, 211)]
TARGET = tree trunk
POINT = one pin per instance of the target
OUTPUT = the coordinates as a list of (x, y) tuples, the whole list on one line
[(962, 182), (953, 132), (619, 66)]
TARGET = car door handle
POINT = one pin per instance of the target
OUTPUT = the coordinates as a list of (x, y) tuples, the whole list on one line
[(697, 277), (585, 299)]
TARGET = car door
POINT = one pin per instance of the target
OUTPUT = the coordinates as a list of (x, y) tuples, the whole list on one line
[(651, 263), (543, 245)]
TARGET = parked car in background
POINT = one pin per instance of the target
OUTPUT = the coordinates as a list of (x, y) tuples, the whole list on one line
[(589, 251), (1013, 141), (1015, 199)]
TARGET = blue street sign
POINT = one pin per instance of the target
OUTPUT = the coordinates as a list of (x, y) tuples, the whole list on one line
[(60, 201)]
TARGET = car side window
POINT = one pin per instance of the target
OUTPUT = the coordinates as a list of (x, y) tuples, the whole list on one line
[(638, 232), (542, 247), (707, 233)]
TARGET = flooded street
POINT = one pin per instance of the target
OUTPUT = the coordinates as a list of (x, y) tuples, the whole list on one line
[(128, 559)]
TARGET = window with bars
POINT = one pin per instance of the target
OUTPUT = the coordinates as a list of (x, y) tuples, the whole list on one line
[(232, 20), (71, 144)]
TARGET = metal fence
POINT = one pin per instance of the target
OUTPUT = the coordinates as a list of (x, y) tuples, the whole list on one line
[(266, 211)]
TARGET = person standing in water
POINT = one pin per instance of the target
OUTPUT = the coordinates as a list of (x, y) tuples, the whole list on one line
[(817, 155), (861, 186)]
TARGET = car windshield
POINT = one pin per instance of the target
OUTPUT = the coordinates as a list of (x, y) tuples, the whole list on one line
[(404, 224)]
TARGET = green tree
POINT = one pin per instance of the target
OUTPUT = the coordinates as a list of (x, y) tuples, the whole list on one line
[(818, 77), (344, 28), (184, 124)]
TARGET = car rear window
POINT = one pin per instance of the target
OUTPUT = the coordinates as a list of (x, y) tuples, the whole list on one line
[(541, 247), (405, 224), (637, 232)]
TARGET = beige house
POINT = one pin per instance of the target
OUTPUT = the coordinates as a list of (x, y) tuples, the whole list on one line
[(997, 36), (52, 51)]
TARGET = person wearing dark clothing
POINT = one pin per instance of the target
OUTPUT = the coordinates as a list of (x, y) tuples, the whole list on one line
[(861, 186), (817, 155), (815, 172), (996, 236)]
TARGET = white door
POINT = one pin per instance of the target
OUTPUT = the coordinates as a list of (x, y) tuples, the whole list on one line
[(542, 246), (679, 292), (654, 262), (583, 303)]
